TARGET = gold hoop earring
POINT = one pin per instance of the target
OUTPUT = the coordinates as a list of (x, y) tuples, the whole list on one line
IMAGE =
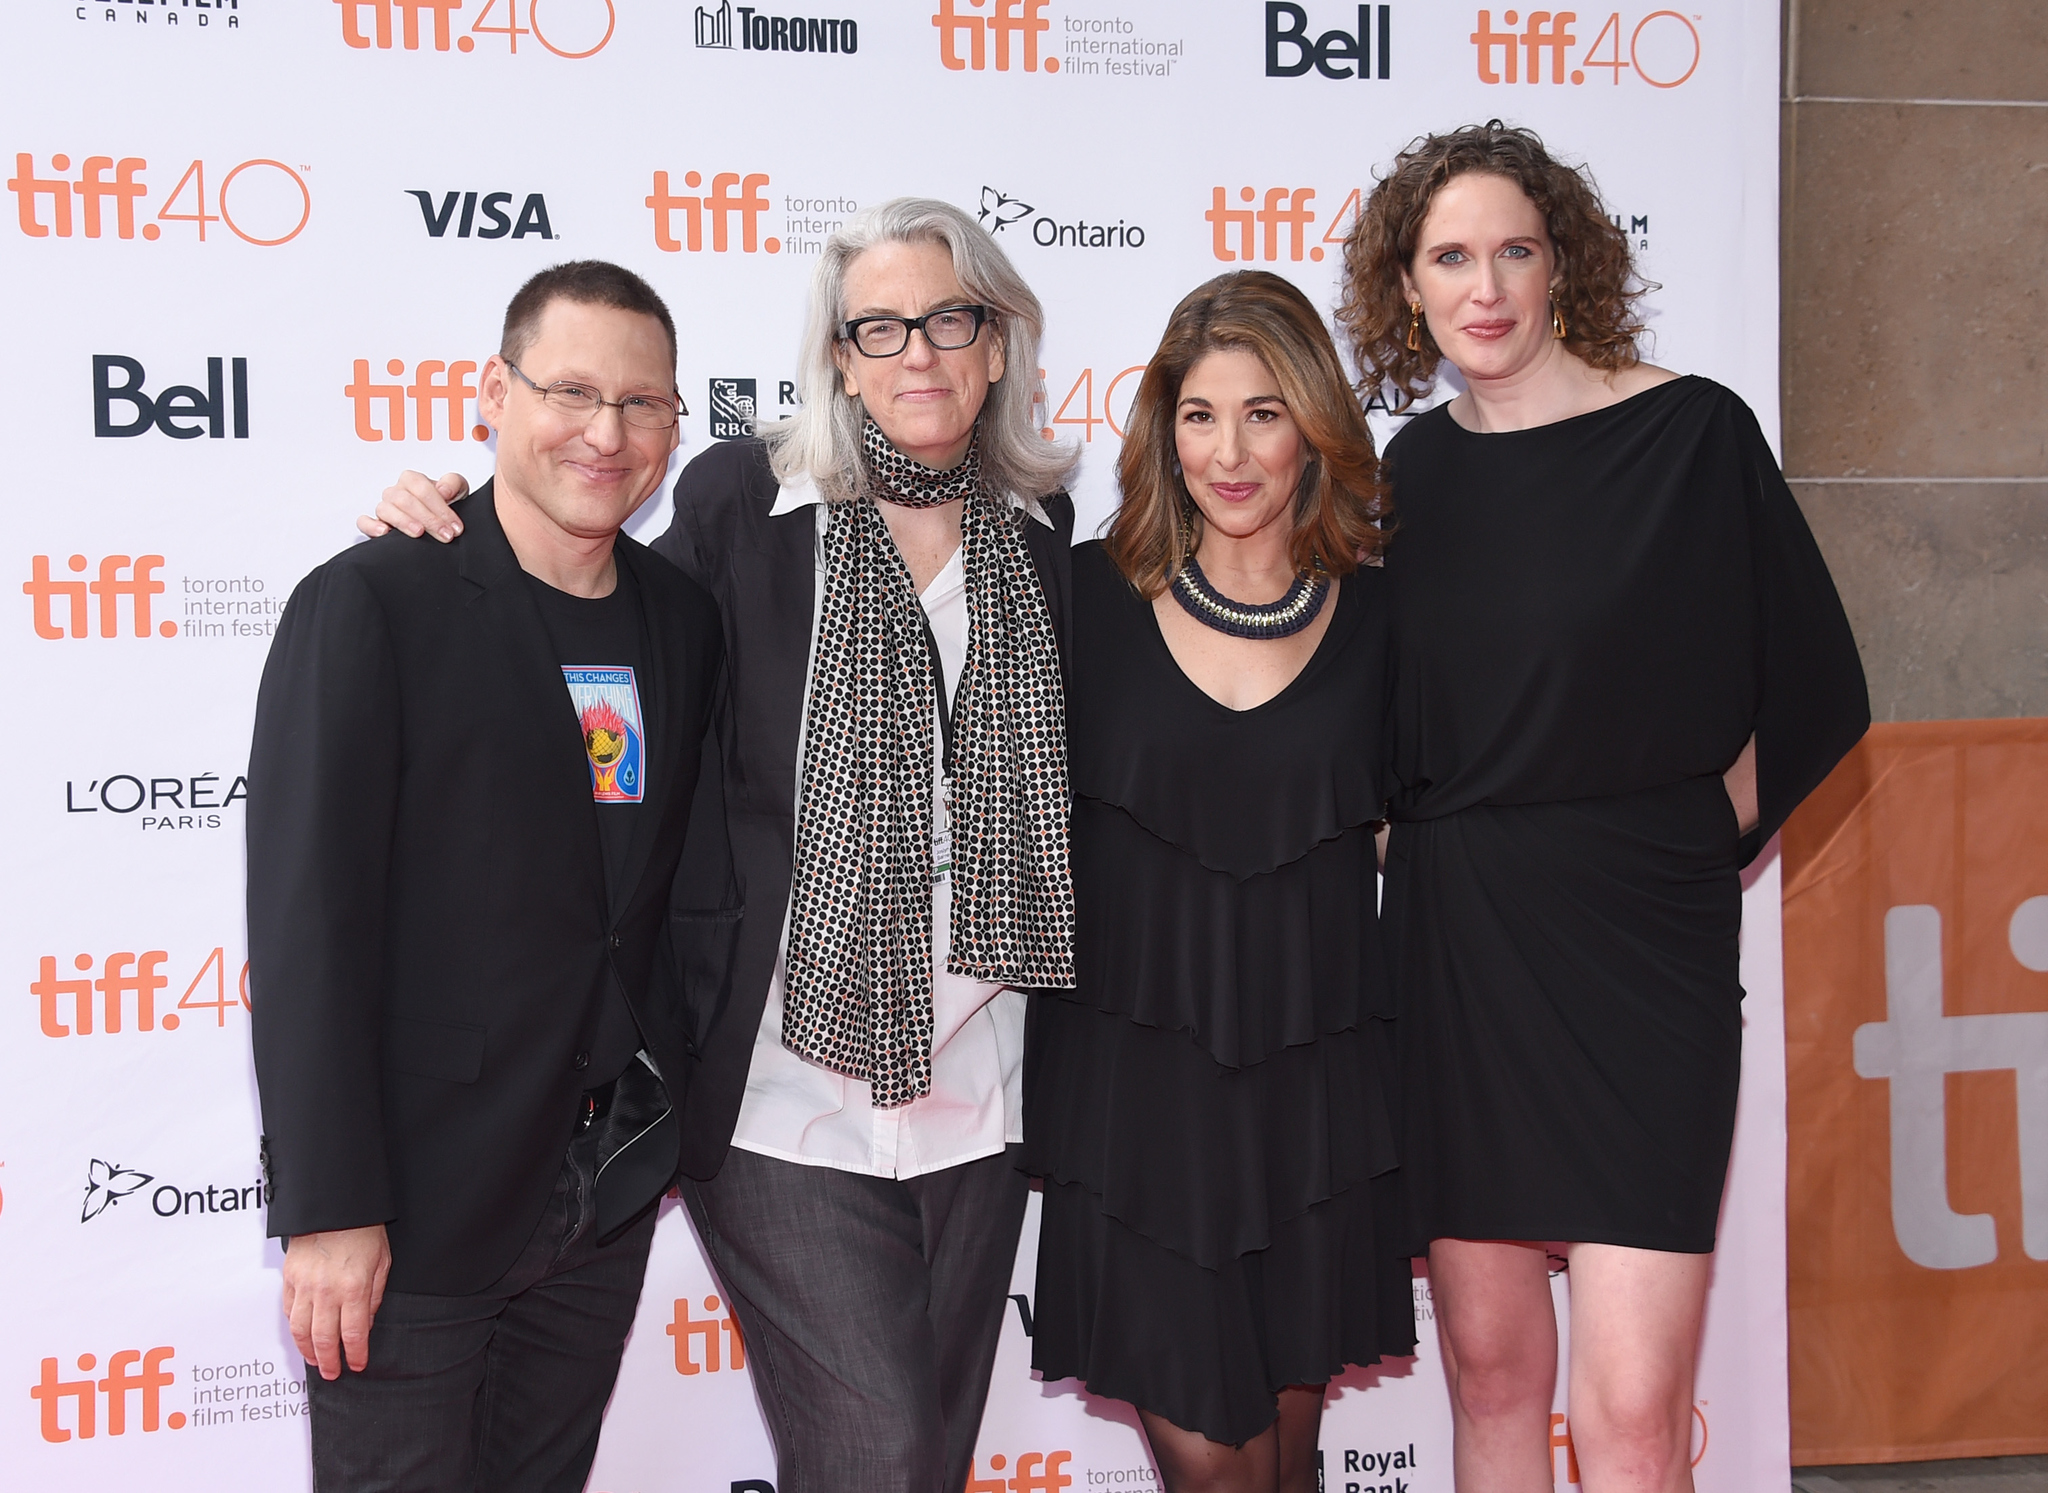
[(1415, 326), (1557, 327)]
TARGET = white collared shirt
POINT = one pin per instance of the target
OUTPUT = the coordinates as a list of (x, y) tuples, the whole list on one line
[(797, 1110)]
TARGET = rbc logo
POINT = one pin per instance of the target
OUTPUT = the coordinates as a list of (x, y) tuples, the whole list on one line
[(732, 408), (164, 411)]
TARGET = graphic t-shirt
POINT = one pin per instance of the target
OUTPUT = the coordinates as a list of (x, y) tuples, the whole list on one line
[(600, 644)]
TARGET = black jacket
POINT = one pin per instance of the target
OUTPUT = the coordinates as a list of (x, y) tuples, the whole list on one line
[(430, 935), (733, 891)]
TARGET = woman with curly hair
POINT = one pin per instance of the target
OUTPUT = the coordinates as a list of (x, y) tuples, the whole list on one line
[(1620, 664), (1208, 1103)]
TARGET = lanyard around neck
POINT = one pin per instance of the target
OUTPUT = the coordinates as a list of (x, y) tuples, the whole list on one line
[(946, 709)]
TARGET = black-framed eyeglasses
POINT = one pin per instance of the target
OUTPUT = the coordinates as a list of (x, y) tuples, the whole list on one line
[(578, 401), (947, 329)]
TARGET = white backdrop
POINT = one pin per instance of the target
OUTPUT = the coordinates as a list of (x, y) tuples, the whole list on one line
[(287, 230)]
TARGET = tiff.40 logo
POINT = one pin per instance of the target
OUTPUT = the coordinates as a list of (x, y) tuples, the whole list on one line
[(129, 974), (1663, 48), (120, 1382), (1282, 218), (272, 195), (573, 24)]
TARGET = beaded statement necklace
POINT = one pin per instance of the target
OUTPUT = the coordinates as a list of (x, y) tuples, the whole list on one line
[(1274, 619)]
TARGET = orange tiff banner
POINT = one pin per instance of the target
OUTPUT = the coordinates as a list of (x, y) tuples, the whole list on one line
[(1916, 1053)]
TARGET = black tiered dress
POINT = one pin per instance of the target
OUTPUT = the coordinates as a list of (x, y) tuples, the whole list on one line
[(1209, 1106)]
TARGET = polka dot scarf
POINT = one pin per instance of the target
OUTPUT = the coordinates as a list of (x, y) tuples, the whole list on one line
[(859, 962)]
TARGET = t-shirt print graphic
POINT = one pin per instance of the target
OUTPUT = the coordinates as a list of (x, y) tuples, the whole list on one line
[(607, 702)]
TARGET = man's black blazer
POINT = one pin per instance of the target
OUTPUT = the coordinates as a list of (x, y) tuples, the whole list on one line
[(430, 935), (733, 890)]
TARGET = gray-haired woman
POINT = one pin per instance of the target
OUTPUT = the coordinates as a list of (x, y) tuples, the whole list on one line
[(890, 873)]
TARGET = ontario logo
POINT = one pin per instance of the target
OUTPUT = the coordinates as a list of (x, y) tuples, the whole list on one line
[(608, 707), (106, 1183), (999, 211)]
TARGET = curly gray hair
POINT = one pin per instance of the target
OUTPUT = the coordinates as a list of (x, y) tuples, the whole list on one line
[(822, 440)]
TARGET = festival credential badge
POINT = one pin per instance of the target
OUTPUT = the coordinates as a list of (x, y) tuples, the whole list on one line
[(607, 705)]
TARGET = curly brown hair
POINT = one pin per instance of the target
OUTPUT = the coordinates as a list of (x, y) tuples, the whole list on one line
[(1342, 514), (1597, 284)]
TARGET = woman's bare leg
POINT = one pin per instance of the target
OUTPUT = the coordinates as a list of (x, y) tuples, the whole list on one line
[(1636, 1317), (1498, 1332), (1280, 1459)]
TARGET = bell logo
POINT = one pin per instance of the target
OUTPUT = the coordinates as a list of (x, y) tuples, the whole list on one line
[(139, 585), (1915, 1048), (1035, 1472), (1333, 54), (121, 975), (582, 17), (1018, 22), (122, 1381), (1663, 48), (533, 214), (433, 383), (691, 1332), (719, 207), (272, 196), (165, 410)]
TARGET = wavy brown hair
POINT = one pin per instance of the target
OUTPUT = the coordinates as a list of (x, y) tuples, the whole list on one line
[(1596, 285), (1341, 512)]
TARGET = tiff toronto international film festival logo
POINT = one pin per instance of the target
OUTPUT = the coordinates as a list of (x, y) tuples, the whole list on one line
[(574, 29), (998, 211), (65, 1007), (1018, 35), (132, 1394), (485, 215), (167, 17), (1916, 1047), (183, 412), (211, 606), (1660, 48), (260, 201), (107, 1183), (754, 31)]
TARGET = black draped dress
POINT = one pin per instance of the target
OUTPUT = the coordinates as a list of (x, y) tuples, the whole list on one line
[(1209, 1106), (1590, 620)]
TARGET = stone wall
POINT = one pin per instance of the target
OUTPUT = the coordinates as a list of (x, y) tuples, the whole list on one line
[(1915, 315)]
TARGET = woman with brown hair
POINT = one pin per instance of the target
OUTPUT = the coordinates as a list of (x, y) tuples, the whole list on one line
[(1206, 1104), (1619, 665)]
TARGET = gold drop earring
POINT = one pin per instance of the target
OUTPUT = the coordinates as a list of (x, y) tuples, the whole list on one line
[(1415, 326)]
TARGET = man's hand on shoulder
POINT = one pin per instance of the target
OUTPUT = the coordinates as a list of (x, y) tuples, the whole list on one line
[(333, 1285), (415, 504)]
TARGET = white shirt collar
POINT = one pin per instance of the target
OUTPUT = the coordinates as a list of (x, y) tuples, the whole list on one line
[(803, 493)]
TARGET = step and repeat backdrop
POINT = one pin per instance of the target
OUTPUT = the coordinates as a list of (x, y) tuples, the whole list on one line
[(255, 254)]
